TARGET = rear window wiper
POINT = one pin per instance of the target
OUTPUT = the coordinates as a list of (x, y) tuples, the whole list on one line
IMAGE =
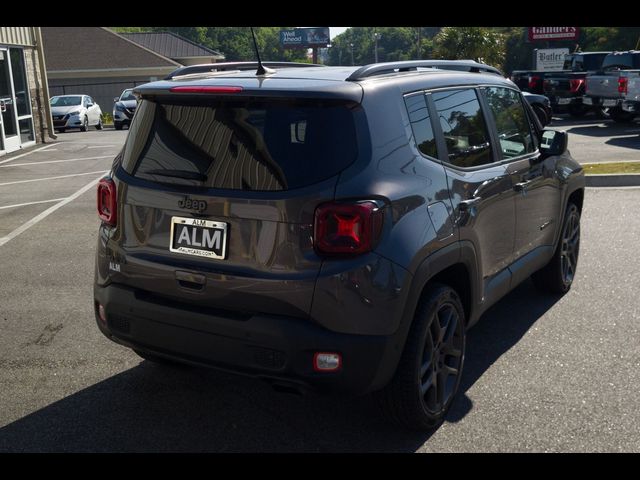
[(186, 174)]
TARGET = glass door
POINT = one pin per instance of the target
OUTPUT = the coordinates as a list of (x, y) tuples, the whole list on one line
[(8, 114)]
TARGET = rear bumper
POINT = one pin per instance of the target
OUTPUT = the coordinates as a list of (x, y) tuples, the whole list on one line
[(602, 101), (275, 348)]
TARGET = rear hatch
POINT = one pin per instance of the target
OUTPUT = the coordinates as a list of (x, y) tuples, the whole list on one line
[(217, 193), (564, 84)]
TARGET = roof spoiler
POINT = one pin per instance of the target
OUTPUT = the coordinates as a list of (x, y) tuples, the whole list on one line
[(232, 66), (413, 65)]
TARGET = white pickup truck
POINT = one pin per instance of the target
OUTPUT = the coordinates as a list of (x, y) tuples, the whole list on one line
[(608, 87)]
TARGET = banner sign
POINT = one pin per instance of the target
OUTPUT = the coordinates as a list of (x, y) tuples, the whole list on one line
[(305, 37), (553, 33)]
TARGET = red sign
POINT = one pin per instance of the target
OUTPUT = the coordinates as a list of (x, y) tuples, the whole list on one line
[(553, 33)]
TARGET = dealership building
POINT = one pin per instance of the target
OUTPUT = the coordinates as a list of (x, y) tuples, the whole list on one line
[(24, 99)]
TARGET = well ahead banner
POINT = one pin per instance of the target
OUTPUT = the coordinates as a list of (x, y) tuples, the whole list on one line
[(553, 33)]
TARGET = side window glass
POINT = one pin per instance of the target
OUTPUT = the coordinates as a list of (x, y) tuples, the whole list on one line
[(421, 125), (463, 126), (511, 121)]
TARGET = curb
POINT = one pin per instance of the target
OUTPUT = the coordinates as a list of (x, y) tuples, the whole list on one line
[(613, 180)]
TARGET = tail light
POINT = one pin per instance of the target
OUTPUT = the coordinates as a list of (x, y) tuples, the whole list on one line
[(623, 83), (107, 203), (575, 84), (533, 81), (347, 228)]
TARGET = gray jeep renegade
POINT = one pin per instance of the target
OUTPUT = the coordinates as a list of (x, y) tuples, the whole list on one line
[(331, 228)]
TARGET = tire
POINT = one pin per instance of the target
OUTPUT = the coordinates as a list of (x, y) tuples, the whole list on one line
[(557, 276), (620, 116), (150, 357), (578, 110), (117, 125), (85, 125), (432, 360), (541, 114), (99, 124)]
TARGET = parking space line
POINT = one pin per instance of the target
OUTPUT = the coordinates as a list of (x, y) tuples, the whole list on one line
[(27, 153), (51, 178), (49, 211), (57, 161), (32, 203)]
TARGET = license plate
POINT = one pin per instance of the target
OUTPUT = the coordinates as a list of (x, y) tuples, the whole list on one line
[(609, 103), (587, 101), (564, 101), (202, 238)]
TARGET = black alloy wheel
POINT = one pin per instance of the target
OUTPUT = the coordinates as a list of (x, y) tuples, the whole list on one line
[(558, 275), (570, 245), (429, 372)]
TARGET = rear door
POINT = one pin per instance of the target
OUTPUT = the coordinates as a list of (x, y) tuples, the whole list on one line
[(218, 198), (533, 179), (480, 187)]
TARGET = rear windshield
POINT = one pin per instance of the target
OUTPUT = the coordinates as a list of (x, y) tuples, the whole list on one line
[(584, 63), (622, 61), (241, 145)]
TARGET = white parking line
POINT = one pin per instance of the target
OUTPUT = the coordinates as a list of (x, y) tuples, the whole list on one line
[(56, 161), (48, 211), (31, 203), (51, 178), (28, 153)]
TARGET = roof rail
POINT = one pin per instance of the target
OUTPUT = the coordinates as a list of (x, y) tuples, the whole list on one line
[(412, 65), (232, 66)]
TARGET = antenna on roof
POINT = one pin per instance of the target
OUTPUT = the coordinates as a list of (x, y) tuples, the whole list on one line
[(262, 70)]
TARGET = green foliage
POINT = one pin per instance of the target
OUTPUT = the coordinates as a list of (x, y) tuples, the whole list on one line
[(472, 43), (394, 43)]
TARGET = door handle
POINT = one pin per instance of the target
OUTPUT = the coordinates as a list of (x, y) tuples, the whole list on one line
[(522, 186), (466, 205)]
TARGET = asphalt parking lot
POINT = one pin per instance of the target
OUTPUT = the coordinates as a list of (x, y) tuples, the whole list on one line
[(542, 374)]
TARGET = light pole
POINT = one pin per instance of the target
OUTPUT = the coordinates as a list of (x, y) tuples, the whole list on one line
[(352, 62), (376, 36)]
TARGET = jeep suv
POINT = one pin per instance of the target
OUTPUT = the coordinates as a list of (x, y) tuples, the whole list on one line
[(331, 228)]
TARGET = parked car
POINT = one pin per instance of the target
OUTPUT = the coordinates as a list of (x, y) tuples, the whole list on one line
[(75, 111), (607, 87), (332, 228), (123, 109), (541, 106), (566, 89)]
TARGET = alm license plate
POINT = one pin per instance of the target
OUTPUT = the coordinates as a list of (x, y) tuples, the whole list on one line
[(564, 101), (194, 236), (609, 103)]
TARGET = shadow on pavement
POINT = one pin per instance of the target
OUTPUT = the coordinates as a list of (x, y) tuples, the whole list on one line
[(179, 409), (609, 129), (632, 141)]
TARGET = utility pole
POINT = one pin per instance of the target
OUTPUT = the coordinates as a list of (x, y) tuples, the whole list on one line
[(376, 37), (418, 53), (352, 62)]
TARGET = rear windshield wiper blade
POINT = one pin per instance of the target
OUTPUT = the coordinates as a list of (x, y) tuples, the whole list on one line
[(186, 174)]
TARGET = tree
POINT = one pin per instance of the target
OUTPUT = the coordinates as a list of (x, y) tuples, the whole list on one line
[(472, 43)]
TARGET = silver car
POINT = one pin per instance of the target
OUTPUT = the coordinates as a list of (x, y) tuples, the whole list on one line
[(75, 111)]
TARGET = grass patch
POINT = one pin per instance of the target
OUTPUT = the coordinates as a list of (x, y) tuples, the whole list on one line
[(612, 167)]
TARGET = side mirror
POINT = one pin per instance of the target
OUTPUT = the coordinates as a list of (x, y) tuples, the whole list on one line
[(554, 142), (115, 99), (89, 105)]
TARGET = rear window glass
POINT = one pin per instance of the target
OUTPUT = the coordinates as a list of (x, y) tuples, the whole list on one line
[(241, 145), (622, 61)]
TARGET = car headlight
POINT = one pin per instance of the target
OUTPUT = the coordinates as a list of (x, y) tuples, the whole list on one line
[(75, 112), (120, 108)]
